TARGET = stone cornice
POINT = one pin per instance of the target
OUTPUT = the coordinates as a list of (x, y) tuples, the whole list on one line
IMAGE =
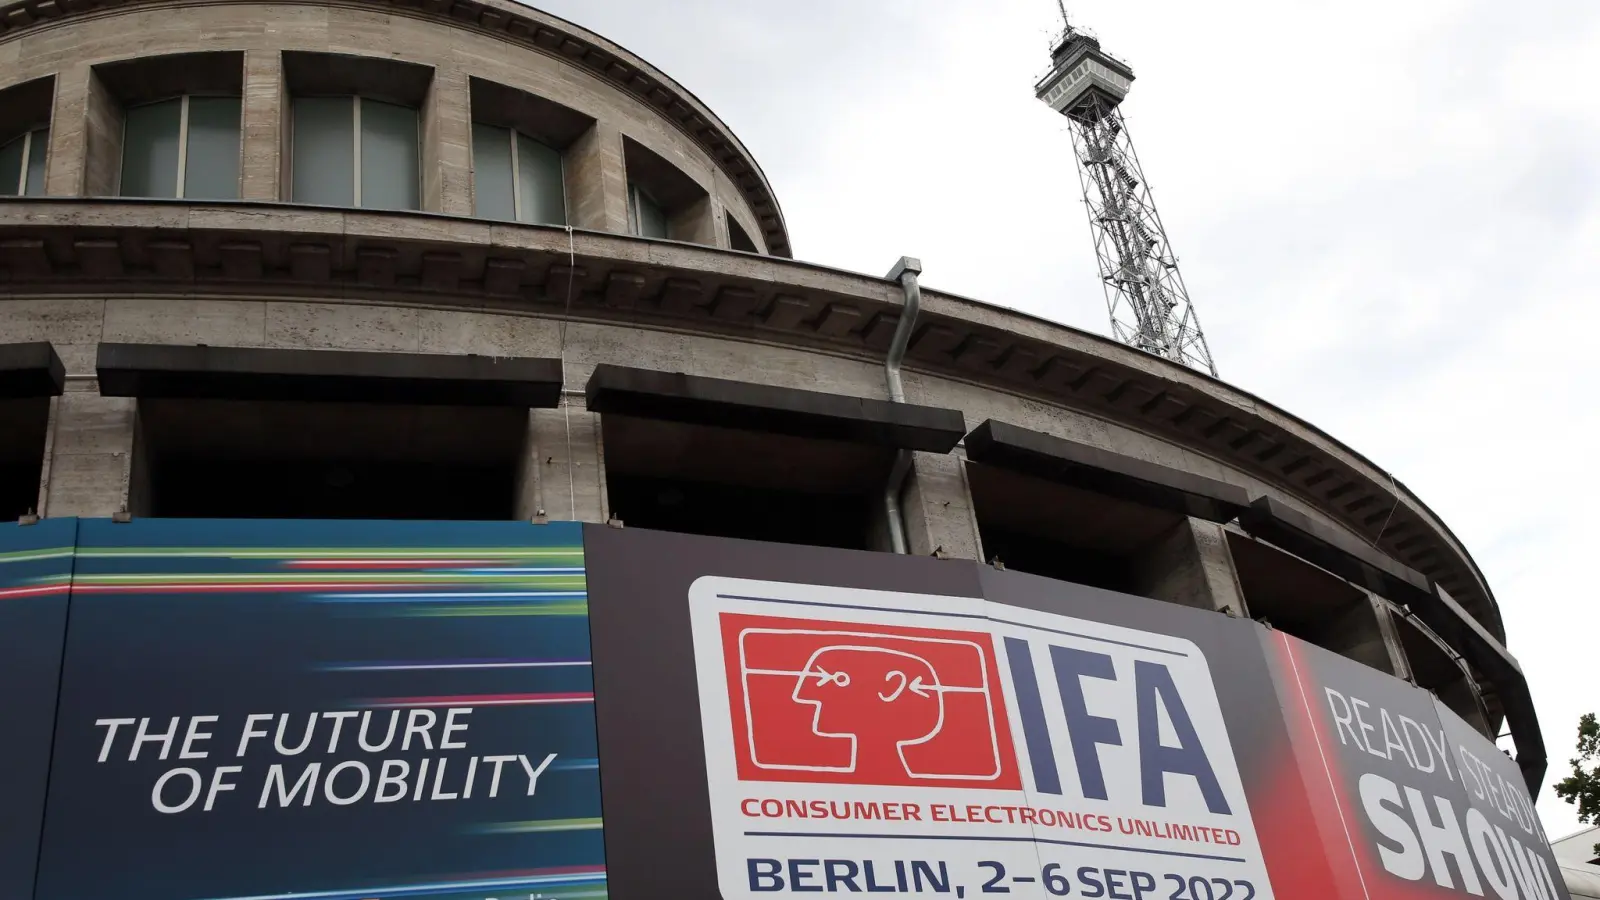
[(535, 30), (101, 247)]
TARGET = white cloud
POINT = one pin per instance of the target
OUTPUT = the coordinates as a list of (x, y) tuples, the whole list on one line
[(1387, 213)]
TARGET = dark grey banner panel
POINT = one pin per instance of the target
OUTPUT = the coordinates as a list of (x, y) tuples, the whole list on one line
[(676, 397), (1090, 468), (30, 370), (243, 373)]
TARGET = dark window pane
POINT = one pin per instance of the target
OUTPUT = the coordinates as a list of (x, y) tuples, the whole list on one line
[(150, 150), (38, 155), (544, 199), (648, 218), (211, 163), (491, 172), (324, 151), (389, 168), (11, 167)]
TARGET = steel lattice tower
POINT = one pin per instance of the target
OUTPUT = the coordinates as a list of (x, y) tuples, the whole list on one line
[(1145, 296)]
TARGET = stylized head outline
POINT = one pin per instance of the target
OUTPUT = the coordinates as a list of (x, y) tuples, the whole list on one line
[(881, 700)]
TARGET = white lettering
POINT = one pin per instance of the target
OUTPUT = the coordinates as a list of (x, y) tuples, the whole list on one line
[(1342, 722), (1408, 862), (533, 774), (1366, 727), (366, 718), (387, 779), (307, 780), (412, 728), (143, 737), (450, 725), (305, 741), (1491, 856), (218, 785), (333, 773), (438, 779), (1444, 839), (1391, 739), (494, 783), (195, 734), (250, 730), (194, 789), (338, 726), (111, 733)]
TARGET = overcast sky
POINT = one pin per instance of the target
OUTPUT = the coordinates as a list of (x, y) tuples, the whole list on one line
[(1387, 213)]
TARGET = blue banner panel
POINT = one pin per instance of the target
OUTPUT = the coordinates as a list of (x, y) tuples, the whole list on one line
[(333, 710), (35, 569)]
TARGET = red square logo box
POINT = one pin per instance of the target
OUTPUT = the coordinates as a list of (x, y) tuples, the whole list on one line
[(828, 702)]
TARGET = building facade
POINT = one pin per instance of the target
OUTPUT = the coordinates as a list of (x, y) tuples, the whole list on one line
[(469, 261)]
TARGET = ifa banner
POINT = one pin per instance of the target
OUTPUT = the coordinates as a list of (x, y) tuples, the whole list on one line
[(254, 710), (875, 724)]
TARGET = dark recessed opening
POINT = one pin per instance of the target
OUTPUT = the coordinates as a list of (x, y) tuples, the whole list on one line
[(663, 201), (1309, 603), (23, 423), (723, 482), (1434, 668), (25, 106), (738, 238), (274, 459), (150, 78), (1057, 531)]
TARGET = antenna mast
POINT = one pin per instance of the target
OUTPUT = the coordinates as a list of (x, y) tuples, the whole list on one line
[(1145, 294)]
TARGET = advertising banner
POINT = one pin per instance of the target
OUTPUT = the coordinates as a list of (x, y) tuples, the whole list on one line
[(325, 709), (1410, 801), (260, 710), (877, 724), (35, 569)]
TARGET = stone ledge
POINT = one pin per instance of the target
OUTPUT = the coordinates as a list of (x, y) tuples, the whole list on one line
[(94, 247)]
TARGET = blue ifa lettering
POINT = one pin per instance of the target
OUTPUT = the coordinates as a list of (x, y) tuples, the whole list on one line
[(1085, 731), (1152, 681), (1154, 691)]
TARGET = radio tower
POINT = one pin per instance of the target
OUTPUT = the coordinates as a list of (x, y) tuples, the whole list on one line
[(1149, 305)]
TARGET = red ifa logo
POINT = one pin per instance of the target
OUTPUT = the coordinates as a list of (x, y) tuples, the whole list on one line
[(851, 703)]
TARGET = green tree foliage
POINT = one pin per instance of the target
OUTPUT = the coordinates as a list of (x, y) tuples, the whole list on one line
[(1582, 787)]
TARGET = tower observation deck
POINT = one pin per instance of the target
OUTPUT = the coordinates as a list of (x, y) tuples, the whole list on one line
[(1145, 294)]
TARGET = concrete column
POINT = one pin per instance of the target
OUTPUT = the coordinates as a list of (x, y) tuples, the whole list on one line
[(69, 132), (937, 508), (1398, 664), (597, 181), (262, 152), (719, 222), (563, 467), (88, 455), (447, 144), (102, 164), (1192, 566), (1356, 632), (697, 224)]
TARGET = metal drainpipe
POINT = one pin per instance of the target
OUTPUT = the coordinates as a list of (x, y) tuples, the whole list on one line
[(905, 271)]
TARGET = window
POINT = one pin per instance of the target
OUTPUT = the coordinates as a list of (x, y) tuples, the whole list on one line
[(516, 178), (186, 147), (645, 216), (353, 151), (738, 238), (22, 164)]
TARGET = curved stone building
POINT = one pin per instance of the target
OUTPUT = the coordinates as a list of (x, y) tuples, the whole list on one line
[(404, 259)]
